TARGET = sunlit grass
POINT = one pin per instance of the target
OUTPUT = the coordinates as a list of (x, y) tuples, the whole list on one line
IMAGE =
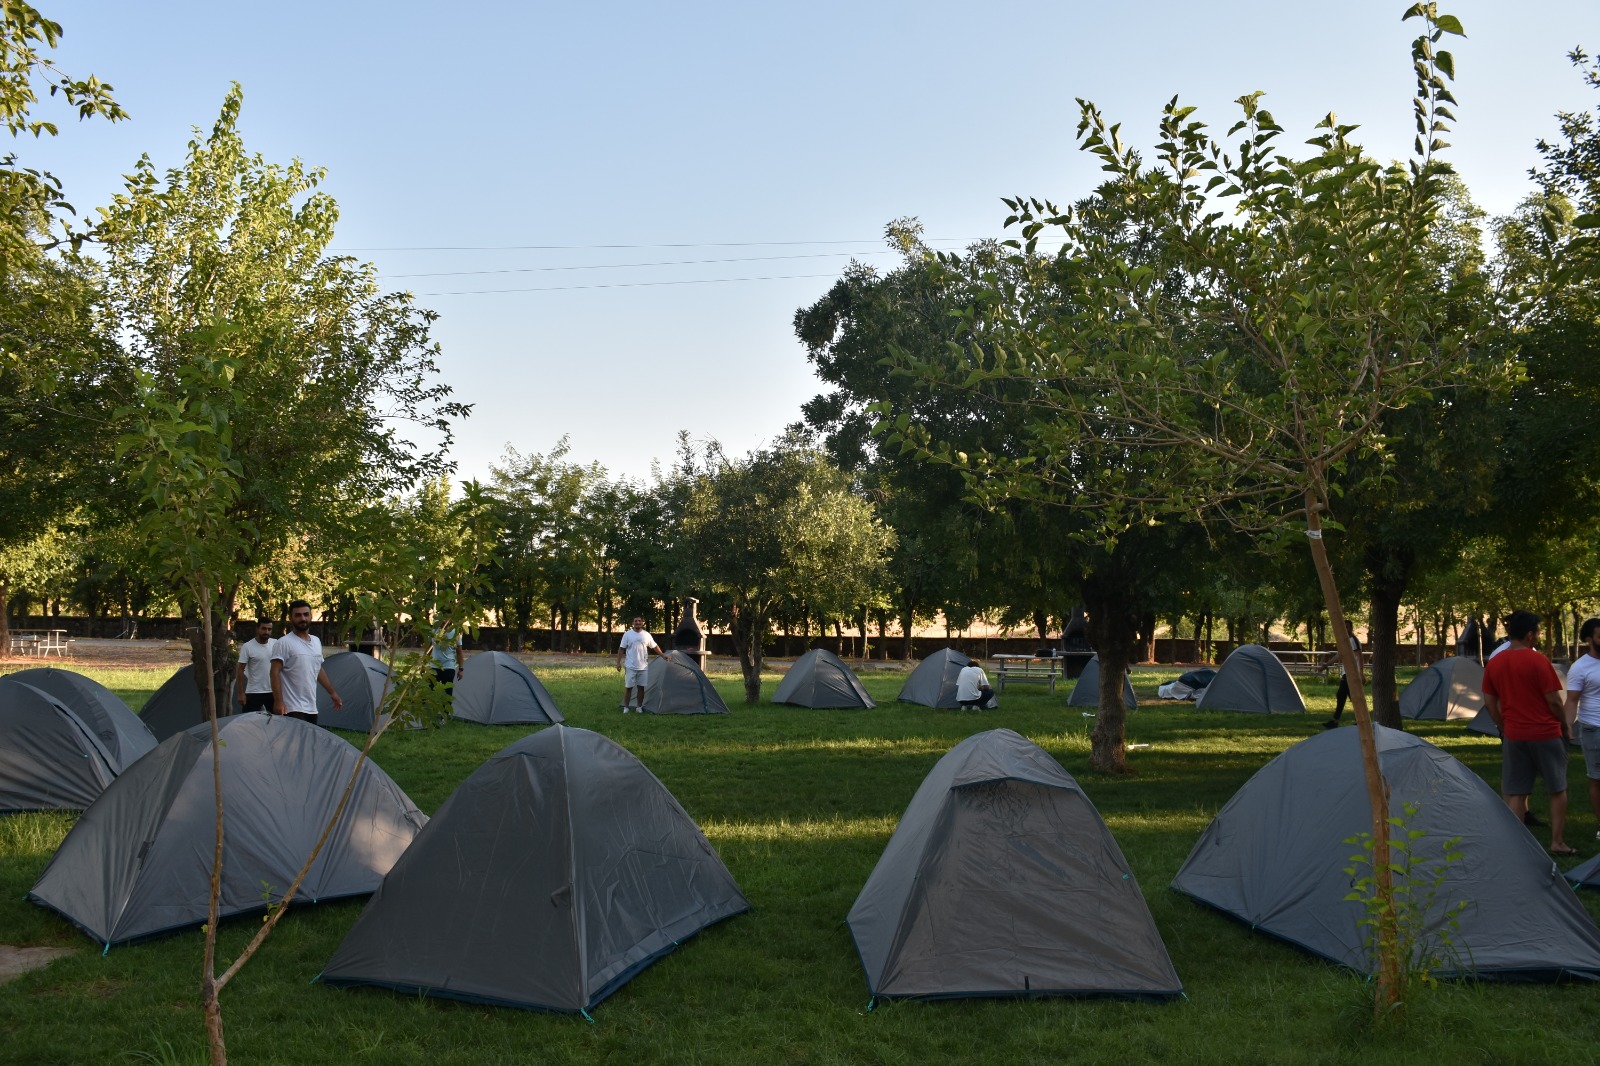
[(799, 803)]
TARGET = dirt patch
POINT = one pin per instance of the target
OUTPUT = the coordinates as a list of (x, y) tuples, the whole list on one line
[(91, 651), (14, 961)]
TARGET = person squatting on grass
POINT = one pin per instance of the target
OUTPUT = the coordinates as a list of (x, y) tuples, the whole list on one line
[(253, 682), (1523, 695), (1583, 707), (297, 668), (972, 687), (634, 651)]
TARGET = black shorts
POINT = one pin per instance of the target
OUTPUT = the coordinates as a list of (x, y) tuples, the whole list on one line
[(257, 701), (303, 716), (444, 677)]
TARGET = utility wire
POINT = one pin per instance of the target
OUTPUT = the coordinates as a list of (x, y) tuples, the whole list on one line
[(624, 266), (632, 284), (632, 247)]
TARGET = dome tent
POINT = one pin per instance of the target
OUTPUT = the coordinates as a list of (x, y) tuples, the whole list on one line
[(1002, 880), (362, 682), (1449, 689), (495, 688), (819, 678), (556, 872), (50, 759), (118, 728), (1276, 856), (676, 686), (138, 862), (175, 706), (1086, 692), (1252, 680), (933, 682)]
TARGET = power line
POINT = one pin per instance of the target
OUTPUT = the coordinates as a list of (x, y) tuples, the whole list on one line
[(624, 266), (632, 247), (633, 284)]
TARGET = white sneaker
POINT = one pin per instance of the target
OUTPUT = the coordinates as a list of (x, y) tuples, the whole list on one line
[(624, 708)]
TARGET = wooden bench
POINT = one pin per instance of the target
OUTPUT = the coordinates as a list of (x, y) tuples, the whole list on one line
[(1026, 670)]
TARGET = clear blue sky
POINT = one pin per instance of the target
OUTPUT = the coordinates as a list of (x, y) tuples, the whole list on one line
[(734, 141)]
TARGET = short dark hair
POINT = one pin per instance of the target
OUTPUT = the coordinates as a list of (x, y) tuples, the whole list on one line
[(297, 604), (262, 622), (1520, 624), (1588, 628)]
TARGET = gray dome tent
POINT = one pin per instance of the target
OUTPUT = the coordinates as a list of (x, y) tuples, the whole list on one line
[(1276, 854), (138, 862), (556, 872), (175, 706), (50, 759), (1003, 880), (819, 678), (676, 686), (1254, 681), (933, 682), (1447, 690), (361, 681), (118, 728), (1086, 692), (497, 689)]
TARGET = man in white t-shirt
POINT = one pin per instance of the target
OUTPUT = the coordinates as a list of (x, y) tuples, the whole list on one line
[(633, 657), (297, 668), (972, 686), (1583, 697), (253, 681)]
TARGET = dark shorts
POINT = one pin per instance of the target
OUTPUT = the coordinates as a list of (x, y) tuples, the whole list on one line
[(444, 677), (1522, 760), (985, 694), (303, 716), (257, 701), (1589, 737)]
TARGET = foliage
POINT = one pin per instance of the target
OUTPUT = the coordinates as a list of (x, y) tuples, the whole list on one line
[(1423, 926)]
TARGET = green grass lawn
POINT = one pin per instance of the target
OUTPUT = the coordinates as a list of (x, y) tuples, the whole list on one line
[(800, 804)]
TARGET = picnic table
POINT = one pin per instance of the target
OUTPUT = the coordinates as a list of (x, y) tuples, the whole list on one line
[(39, 642), (1297, 661), (1026, 669)]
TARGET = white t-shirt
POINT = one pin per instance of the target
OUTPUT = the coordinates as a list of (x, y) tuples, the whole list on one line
[(970, 681), (302, 662), (256, 658), (636, 645), (1583, 677)]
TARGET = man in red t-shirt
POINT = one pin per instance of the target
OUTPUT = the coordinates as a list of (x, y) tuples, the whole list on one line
[(1523, 696)]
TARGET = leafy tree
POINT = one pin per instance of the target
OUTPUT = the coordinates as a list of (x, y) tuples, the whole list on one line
[(224, 296), (780, 523), (1264, 351)]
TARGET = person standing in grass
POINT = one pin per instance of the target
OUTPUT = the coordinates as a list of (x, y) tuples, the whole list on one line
[(1583, 707), (1343, 695), (1523, 695), (253, 681), (446, 656), (633, 658), (297, 668)]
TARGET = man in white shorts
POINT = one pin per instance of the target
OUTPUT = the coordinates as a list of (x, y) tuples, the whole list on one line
[(297, 668), (633, 657), (1583, 696), (254, 680)]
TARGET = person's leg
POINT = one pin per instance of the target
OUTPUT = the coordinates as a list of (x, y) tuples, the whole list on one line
[(1516, 776), (1341, 697), (1558, 821), (1551, 756)]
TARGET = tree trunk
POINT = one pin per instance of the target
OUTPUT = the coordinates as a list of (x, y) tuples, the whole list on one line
[(5, 618), (211, 653), (746, 635), (1389, 570), (1390, 978), (1113, 629), (906, 627)]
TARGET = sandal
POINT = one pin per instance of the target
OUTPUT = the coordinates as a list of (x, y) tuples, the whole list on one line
[(1564, 852)]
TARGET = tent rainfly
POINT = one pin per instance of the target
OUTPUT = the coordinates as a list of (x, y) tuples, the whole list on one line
[(1252, 680), (1275, 857), (556, 872), (1086, 692), (676, 686), (495, 688), (118, 728), (819, 678), (138, 862), (50, 759), (176, 705), (933, 682), (1002, 880), (1447, 690), (361, 681)]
